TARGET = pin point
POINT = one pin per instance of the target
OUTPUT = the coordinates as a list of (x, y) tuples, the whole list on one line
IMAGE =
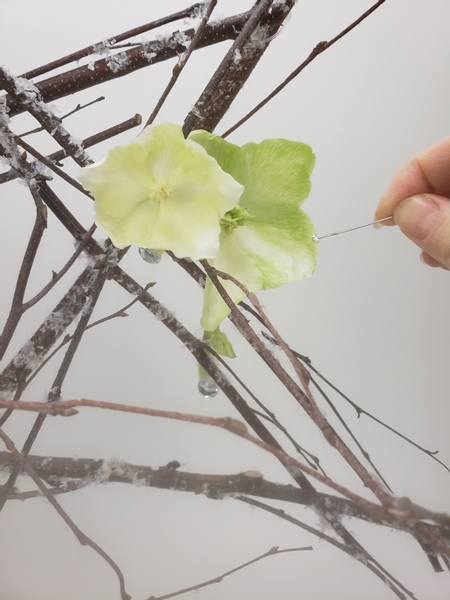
[(317, 238)]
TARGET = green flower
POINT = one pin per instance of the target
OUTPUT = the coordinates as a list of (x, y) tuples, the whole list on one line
[(162, 192), (266, 240)]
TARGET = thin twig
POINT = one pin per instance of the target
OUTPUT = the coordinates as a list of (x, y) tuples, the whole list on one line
[(67, 408), (49, 164), (16, 312), (321, 47), (359, 410), (70, 113), (94, 48), (118, 313), (182, 61), (233, 71), (350, 432), (82, 537), (272, 552), (106, 134), (269, 414), (362, 557), (306, 400), (58, 276), (55, 390)]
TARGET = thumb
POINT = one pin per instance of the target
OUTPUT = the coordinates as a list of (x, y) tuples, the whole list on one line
[(425, 219)]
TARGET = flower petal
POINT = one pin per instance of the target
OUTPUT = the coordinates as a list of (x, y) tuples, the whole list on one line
[(219, 341), (259, 258), (274, 172), (274, 246), (162, 191)]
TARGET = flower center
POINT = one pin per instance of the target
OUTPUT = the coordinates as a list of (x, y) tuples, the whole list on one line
[(160, 190), (234, 218)]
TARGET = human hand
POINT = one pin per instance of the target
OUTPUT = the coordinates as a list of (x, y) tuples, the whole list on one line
[(418, 198)]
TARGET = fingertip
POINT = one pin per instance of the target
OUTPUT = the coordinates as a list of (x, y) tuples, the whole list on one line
[(379, 222), (429, 261)]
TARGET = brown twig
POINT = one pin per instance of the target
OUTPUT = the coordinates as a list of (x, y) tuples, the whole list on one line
[(268, 414), (49, 164), (77, 108), (272, 552), (58, 276), (82, 537), (150, 53), (362, 557), (176, 72), (30, 99), (67, 408), (106, 134), (118, 313), (306, 400), (234, 71), (55, 390), (108, 43), (358, 409), (16, 311), (321, 47)]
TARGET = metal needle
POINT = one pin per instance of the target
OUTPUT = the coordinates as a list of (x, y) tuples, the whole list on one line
[(317, 238)]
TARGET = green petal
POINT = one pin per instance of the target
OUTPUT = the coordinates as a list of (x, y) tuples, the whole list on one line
[(259, 258), (219, 342), (162, 191), (275, 245), (274, 172)]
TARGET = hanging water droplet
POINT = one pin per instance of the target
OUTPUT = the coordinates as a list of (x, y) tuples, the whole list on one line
[(150, 256), (208, 388)]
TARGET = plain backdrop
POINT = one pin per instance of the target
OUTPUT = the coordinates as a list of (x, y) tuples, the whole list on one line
[(373, 319)]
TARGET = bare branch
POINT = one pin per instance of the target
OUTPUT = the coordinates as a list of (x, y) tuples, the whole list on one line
[(321, 47), (396, 510), (29, 97), (272, 552), (58, 276), (306, 400), (71, 112), (359, 410), (234, 71), (106, 134), (360, 556), (82, 537), (182, 61), (35, 349), (94, 48), (16, 311), (150, 53)]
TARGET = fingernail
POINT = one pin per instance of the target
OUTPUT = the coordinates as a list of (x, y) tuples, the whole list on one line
[(417, 216), (379, 223)]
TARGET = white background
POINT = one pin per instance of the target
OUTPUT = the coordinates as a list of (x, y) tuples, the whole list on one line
[(373, 319)]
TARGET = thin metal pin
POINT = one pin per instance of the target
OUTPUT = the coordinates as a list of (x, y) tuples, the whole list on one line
[(317, 238)]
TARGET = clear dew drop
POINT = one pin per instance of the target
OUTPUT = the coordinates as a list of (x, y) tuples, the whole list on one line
[(208, 388), (149, 256)]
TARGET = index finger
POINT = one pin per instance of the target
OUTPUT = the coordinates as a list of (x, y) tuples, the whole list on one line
[(428, 172)]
